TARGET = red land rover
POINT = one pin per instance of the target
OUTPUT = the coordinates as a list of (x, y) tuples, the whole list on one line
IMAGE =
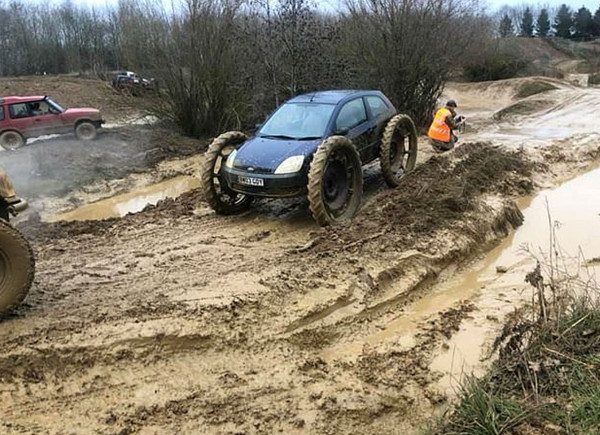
[(24, 117)]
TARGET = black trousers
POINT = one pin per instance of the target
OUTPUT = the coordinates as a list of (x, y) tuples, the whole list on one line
[(4, 210)]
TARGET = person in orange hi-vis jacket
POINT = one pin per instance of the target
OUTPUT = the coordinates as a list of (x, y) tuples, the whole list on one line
[(441, 130)]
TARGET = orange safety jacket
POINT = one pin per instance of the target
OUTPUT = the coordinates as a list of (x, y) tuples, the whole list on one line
[(439, 130)]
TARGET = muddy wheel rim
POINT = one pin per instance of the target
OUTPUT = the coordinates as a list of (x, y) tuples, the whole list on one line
[(225, 194), (338, 179), (86, 131), (399, 155), (11, 141)]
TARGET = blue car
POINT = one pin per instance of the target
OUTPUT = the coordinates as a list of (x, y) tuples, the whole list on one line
[(314, 144)]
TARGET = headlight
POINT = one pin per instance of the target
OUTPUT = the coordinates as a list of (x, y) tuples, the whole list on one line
[(290, 165), (230, 159)]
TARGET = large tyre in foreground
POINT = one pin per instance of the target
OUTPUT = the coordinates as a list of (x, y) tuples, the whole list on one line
[(17, 267), (335, 181), (214, 186), (398, 152), (11, 140)]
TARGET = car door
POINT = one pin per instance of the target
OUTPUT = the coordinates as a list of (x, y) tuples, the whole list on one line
[(45, 120), (352, 121), (380, 113), (21, 119)]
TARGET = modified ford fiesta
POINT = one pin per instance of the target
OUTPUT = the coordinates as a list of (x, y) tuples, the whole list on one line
[(314, 144)]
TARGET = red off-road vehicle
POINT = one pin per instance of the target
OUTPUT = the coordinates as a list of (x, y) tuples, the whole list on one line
[(24, 117)]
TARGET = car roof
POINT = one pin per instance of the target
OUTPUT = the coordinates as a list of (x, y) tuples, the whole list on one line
[(11, 100), (332, 96)]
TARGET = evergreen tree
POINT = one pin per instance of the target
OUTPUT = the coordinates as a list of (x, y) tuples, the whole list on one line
[(543, 24), (583, 23), (563, 22), (596, 27), (527, 23), (506, 27)]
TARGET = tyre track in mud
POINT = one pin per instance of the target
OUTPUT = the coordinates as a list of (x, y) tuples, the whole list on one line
[(191, 296), (175, 320)]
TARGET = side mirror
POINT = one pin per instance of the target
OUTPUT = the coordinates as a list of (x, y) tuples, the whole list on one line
[(342, 131), (258, 126)]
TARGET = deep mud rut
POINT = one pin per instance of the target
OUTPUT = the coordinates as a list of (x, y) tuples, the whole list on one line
[(175, 320)]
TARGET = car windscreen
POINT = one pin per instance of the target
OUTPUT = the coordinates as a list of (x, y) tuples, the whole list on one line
[(298, 121), (55, 105)]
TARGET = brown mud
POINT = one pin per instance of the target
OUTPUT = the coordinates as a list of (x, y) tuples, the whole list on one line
[(175, 320)]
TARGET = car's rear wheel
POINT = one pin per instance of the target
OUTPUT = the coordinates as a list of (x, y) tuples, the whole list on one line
[(335, 181), (214, 186), (11, 140), (85, 131), (17, 267), (398, 151)]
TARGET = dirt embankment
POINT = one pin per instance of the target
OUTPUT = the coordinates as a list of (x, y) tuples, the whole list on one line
[(72, 91)]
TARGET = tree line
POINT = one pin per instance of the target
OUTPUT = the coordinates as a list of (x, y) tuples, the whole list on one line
[(578, 25), (226, 64)]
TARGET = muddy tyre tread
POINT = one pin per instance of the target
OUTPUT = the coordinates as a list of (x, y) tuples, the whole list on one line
[(315, 176), (22, 264), (206, 173), (386, 143)]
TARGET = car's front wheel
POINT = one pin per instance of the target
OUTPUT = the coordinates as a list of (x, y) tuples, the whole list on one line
[(85, 130), (214, 186), (398, 152), (11, 140), (335, 181)]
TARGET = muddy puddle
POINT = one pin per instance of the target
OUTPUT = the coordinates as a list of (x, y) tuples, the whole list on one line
[(566, 221), (534, 133), (496, 283), (131, 202)]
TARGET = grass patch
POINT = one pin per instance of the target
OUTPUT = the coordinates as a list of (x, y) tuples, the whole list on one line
[(532, 88), (546, 380)]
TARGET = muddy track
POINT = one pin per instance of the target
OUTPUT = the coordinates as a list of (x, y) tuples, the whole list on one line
[(153, 293), (175, 320)]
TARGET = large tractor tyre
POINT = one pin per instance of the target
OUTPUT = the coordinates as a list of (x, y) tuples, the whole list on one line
[(85, 131), (11, 140), (17, 267), (398, 151), (214, 186), (335, 181)]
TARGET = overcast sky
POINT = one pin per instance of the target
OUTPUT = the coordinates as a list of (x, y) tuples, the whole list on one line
[(592, 5)]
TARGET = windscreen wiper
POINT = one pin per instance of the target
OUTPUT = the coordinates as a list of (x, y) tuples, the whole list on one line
[(308, 138), (278, 136)]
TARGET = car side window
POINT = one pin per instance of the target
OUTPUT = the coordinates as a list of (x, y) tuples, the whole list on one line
[(1, 113), (18, 110), (377, 106), (352, 114), (38, 108)]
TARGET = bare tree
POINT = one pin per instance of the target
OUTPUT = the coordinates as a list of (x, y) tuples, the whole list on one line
[(406, 48)]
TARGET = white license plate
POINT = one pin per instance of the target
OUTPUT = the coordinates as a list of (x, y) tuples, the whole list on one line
[(251, 181)]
